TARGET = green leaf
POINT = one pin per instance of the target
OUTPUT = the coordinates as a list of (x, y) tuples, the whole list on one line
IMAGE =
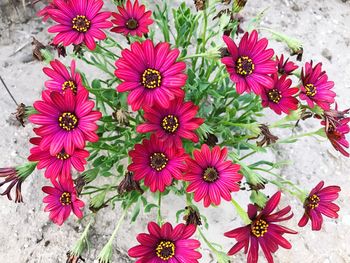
[(149, 207)]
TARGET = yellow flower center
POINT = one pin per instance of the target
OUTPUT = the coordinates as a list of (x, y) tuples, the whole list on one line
[(170, 123), (310, 90), (244, 66), (69, 85), (165, 250), (312, 201), (259, 228), (158, 161), (210, 175), (65, 198), (62, 156), (151, 78), (67, 121), (81, 24), (274, 95)]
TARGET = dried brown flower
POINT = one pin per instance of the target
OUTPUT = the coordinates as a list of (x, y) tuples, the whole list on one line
[(192, 217), (129, 184), (37, 47)]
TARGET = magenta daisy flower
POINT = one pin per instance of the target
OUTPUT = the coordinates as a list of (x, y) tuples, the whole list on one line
[(318, 203), (151, 74), (250, 64), (211, 177), (336, 132), (61, 78), (262, 231), (45, 12), (157, 163), (59, 164), (285, 67), (79, 22), (132, 19), (280, 96), (167, 244), (172, 123), (316, 89), (62, 200), (67, 121)]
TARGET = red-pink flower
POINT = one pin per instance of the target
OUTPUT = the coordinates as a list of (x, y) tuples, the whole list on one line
[(132, 19), (336, 132), (316, 89), (45, 12), (59, 164), (172, 123), (279, 97), (250, 64), (318, 203), (67, 121), (211, 177), (62, 200), (157, 163), (79, 22), (262, 231), (61, 78), (285, 67), (167, 244), (151, 74)]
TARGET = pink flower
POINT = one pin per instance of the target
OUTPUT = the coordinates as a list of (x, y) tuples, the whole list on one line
[(262, 231), (61, 78), (250, 64), (151, 74), (67, 121), (336, 132), (279, 97), (79, 22), (315, 87), (167, 244), (61, 200), (57, 165), (132, 19), (172, 123), (318, 203), (45, 12), (285, 67), (211, 177), (157, 163)]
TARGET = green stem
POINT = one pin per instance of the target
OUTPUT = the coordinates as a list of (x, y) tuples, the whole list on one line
[(206, 241), (120, 221), (247, 155), (159, 214), (82, 243), (240, 211)]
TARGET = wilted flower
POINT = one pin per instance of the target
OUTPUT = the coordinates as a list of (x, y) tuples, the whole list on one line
[(61, 50), (211, 140), (262, 231), (192, 216), (336, 132), (238, 5), (267, 137), (200, 4), (73, 259), (318, 203), (128, 184), (37, 47), (121, 116), (20, 113)]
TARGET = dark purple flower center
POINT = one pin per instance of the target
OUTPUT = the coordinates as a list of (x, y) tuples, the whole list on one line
[(244, 66), (259, 227), (312, 201), (274, 95), (333, 133), (81, 24), (67, 121), (310, 90), (132, 24), (170, 123), (151, 78), (69, 84), (62, 155), (158, 161), (165, 250), (65, 198), (210, 175)]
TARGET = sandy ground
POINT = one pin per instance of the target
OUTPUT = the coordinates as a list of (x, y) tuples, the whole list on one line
[(26, 234)]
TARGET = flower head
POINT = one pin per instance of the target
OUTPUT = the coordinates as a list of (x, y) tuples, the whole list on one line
[(157, 163), (211, 177), (167, 244), (67, 121), (45, 12), (59, 164), (262, 231), (318, 203), (79, 22), (132, 19), (285, 66), (279, 97), (250, 64), (151, 74), (172, 123), (62, 200), (316, 88), (336, 132), (61, 78)]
